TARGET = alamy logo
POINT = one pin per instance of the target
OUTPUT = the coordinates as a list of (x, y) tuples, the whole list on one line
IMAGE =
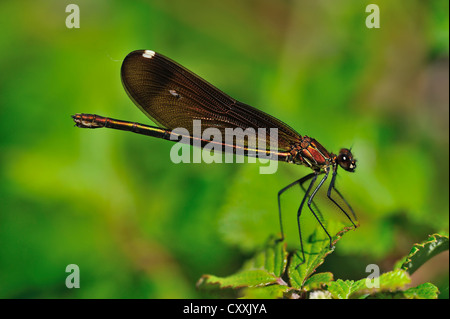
[(210, 143), (73, 19), (373, 19), (73, 279), (373, 280)]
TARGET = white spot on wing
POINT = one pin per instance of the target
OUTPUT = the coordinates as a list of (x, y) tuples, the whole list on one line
[(148, 54), (174, 93)]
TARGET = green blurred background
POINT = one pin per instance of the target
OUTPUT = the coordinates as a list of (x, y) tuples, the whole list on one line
[(139, 226)]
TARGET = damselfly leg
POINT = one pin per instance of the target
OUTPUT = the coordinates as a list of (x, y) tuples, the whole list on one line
[(330, 188), (308, 198), (300, 181)]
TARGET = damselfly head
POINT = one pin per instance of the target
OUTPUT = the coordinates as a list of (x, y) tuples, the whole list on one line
[(345, 160)]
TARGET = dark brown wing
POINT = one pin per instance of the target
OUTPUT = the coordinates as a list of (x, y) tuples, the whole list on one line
[(173, 97)]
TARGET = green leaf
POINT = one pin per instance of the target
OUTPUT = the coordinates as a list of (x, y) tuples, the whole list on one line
[(344, 289), (316, 248), (263, 274), (387, 282), (318, 280), (422, 252), (265, 268), (266, 292), (393, 280), (251, 278), (423, 291), (272, 259)]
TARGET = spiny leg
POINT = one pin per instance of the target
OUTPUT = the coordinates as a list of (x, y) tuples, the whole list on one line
[(316, 208), (311, 198), (333, 180), (299, 212), (299, 181)]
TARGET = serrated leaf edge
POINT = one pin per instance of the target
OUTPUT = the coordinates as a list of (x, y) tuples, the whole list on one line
[(417, 247)]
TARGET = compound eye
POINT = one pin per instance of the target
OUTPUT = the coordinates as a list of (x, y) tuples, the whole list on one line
[(346, 161)]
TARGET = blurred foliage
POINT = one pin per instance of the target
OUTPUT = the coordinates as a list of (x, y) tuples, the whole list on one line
[(139, 226)]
